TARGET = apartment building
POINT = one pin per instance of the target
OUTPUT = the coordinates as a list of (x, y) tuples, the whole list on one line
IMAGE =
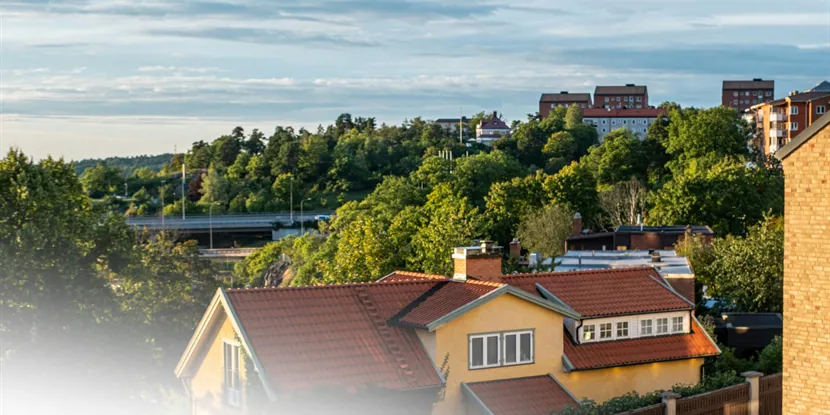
[(451, 124), (606, 120), (629, 96), (741, 95), (563, 99), (779, 121)]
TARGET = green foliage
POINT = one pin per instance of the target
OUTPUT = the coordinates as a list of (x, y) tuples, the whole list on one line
[(510, 201), (714, 133), (575, 188), (248, 272), (128, 165), (545, 230), (746, 272), (215, 189), (475, 174), (102, 179), (619, 158), (771, 358), (573, 117)]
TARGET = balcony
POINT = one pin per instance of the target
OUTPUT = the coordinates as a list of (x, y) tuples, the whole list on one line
[(776, 133), (777, 117), (773, 148)]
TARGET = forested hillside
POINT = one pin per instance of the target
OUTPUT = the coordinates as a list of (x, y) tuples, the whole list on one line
[(127, 165)]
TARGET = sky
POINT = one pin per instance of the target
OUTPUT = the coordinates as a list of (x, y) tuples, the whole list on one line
[(97, 78)]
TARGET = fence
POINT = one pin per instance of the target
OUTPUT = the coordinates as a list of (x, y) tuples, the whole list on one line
[(757, 396)]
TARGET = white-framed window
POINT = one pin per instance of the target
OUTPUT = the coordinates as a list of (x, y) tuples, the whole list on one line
[(553, 105), (639, 106), (735, 102), (622, 329), (484, 350), (606, 99), (613, 122), (793, 125), (589, 332), (820, 109), (639, 99), (646, 327), (768, 93), (735, 94), (518, 347), (233, 385), (619, 106), (565, 105), (746, 93), (677, 324), (625, 122), (662, 325), (645, 130), (618, 99), (793, 110), (603, 122), (603, 130), (605, 331)]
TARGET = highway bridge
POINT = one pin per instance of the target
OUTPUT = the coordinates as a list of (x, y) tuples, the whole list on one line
[(239, 222)]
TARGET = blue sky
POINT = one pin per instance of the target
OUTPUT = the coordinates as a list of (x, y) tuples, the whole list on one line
[(92, 78)]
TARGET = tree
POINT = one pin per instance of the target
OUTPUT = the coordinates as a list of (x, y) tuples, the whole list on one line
[(215, 189), (363, 252), (475, 174), (575, 188), (101, 180), (714, 133), (560, 149), (255, 143), (585, 137), (617, 159), (573, 117), (508, 202), (546, 230), (624, 203), (747, 273)]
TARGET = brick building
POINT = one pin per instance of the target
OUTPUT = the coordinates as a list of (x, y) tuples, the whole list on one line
[(779, 121), (606, 120), (621, 97), (806, 160), (562, 99), (633, 237), (741, 95)]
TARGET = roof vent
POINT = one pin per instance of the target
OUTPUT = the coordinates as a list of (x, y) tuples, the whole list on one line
[(563, 92), (655, 256), (629, 84), (757, 79)]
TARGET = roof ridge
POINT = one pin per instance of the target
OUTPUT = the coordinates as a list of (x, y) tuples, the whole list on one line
[(419, 274), (579, 272), (328, 286)]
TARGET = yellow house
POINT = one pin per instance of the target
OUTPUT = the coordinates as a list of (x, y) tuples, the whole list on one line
[(478, 342)]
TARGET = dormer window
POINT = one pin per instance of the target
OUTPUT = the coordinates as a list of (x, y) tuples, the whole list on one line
[(605, 331), (676, 324), (589, 332), (662, 325), (622, 329), (646, 328)]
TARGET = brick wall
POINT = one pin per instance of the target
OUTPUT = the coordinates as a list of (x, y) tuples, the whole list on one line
[(487, 268), (806, 387)]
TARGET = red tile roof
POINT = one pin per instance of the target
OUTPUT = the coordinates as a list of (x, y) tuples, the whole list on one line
[(537, 395), (642, 350), (410, 276), (335, 336), (605, 292), (445, 298)]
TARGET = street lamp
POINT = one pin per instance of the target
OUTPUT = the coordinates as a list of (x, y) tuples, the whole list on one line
[(161, 193), (291, 200), (302, 222)]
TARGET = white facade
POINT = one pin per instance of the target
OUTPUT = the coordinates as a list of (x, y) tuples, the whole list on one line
[(487, 136), (604, 125), (636, 326)]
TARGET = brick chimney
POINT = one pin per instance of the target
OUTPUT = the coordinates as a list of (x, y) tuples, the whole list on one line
[(481, 261), (577, 229), (515, 248)]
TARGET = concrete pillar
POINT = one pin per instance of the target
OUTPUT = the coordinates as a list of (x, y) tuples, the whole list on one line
[(670, 399), (754, 380)]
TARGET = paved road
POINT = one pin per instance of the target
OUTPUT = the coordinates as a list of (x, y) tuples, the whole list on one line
[(249, 221)]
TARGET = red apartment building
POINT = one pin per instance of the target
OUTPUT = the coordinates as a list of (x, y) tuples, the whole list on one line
[(629, 96), (781, 120), (562, 99), (741, 95)]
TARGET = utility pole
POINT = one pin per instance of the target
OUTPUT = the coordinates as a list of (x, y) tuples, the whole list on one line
[(302, 222), (183, 193), (161, 193), (291, 200), (125, 189), (460, 125)]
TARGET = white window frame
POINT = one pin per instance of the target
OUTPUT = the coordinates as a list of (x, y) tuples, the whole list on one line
[(593, 331), (518, 335), (650, 327), (622, 325), (606, 99), (793, 125), (793, 110), (735, 94), (821, 109), (606, 328), (661, 322), (603, 122), (639, 99), (768, 93), (677, 324), (484, 342), (618, 99), (233, 392), (625, 122)]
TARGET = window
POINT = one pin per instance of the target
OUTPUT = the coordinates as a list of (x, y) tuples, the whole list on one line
[(605, 331), (793, 126), (676, 324), (645, 327), (484, 351), (639, 106), (662, 325), (622, 329), (625, 122), (639, 99), (645, 130), (603, 122), (553, 105), (618, 106), (794, 110), (734, 101), (518, 347), (231, 365), (746, 93), (820, 109), (618, 99), (589, 332), (603, 130), (606, 99), (768, 93), (565, 105), (582, 105)]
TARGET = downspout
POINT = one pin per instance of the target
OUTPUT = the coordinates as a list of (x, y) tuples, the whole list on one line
[(578, 339)]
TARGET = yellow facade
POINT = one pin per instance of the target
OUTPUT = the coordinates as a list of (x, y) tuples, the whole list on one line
[(602, 384), (207, 383), (504, 313)]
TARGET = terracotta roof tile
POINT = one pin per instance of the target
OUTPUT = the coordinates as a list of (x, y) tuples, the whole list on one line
[(410, 276), (537, 395), (642, 350), (605, 292), (335, 336), (445, 298)]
